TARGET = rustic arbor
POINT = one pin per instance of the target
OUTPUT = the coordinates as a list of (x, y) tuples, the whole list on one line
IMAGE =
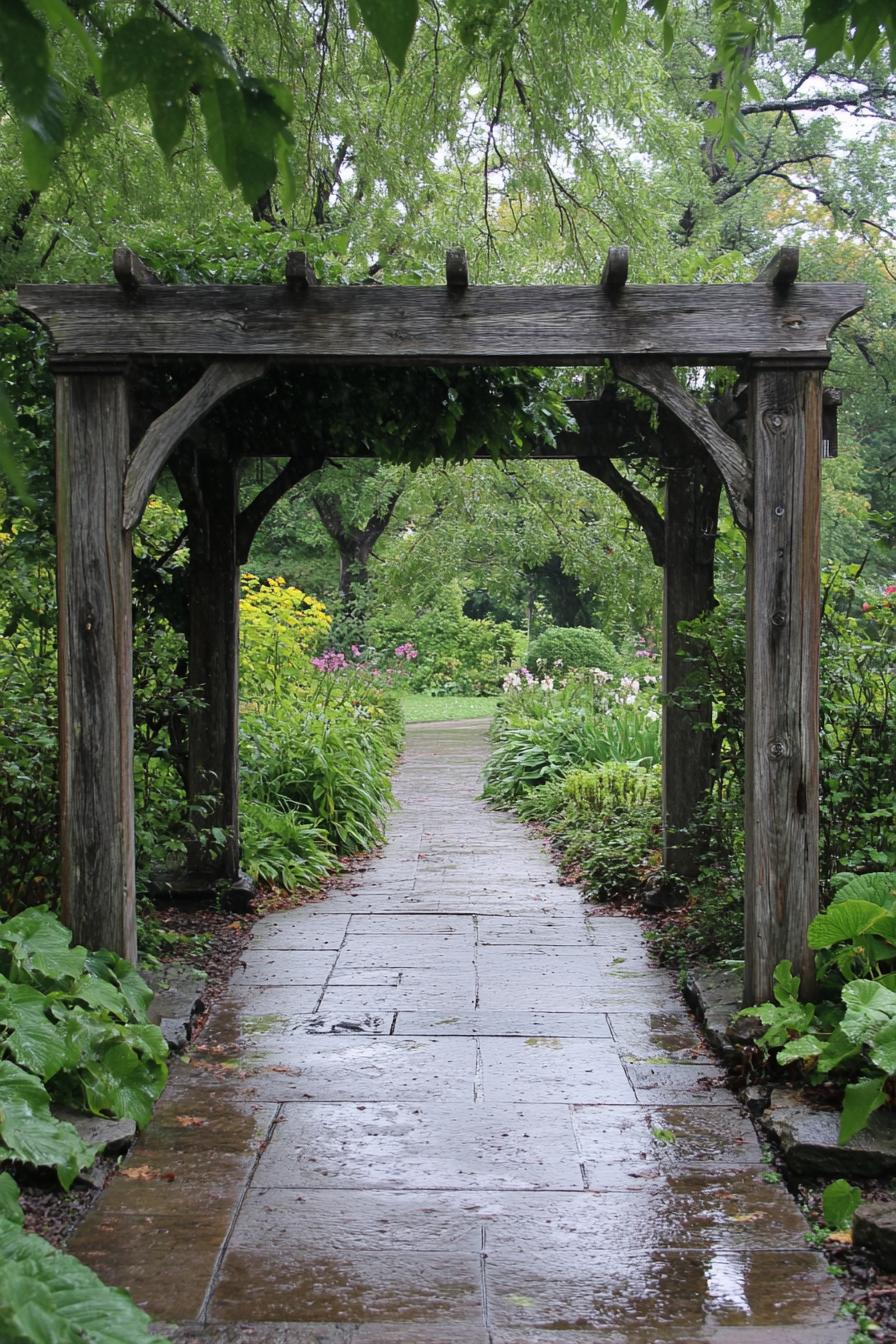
[(774, 331)]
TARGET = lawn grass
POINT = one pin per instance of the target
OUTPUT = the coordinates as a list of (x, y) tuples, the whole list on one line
[(442, 708)]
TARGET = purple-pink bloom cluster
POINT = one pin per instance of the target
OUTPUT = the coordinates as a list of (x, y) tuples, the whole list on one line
[(330, 661), (406, 651)]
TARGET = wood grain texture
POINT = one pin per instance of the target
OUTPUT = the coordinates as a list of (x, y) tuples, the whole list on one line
[(615, 272), (783, 603), (693, 489), (457, 275), (208, 481), (372, 324), (164, 434), (781, 270), (657, 378), (95, 664), (131, 271)]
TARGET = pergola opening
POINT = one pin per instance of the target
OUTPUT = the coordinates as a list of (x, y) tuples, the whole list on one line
[(765, 451)]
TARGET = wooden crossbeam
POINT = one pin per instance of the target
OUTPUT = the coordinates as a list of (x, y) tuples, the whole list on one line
[(299, 271), (781, 271), (615, 272), (457, 276), (131, 272), (372, 324)]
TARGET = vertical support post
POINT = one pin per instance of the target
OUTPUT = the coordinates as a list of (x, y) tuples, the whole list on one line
[(96, 768), (209, 482), (783, 619), (693, 489)]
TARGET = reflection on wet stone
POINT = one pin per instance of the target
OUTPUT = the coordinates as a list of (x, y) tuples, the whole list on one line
[(449, 1104)]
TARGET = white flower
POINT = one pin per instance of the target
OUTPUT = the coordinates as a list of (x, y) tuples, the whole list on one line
[(631, 700), (547, 683), (650, 681), (600, 676), (630, 684), (651, 716)]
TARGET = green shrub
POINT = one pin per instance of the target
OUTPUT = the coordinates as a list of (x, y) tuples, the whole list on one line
[(456, 655), (574, 647), (73, 1030)]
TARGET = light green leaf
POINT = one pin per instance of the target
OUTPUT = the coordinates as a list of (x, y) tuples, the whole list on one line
[(883, 1050), (839, 1201), (877, 888), (859, 1103), (837, 1050), (36, 942), (847, 920), (786, 985), (10, 1208), (392, 23), (804, 1047), (870, 1007), (118, 1082), (59, 15)]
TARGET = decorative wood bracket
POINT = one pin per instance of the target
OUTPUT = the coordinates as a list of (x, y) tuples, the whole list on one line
[(165, 432), (615, 273), (299, 271), (657, 378), (782, 270), (253, 515), (131, 271), (457, 276)]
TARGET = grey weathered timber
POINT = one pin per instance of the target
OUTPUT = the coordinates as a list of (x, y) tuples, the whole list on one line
[(95, 660), (615, 271), (693, 488), (131, 272), (783, 614), (299, 271), (373, 324), (208, 481), (657, 378), (165, 432), (782, 270), (457, 276)]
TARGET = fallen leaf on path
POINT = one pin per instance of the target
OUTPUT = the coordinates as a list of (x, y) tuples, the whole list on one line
[(140, 1173), (842, 1238), (190, 1121)]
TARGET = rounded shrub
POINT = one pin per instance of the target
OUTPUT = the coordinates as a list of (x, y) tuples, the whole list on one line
[(574, 646)]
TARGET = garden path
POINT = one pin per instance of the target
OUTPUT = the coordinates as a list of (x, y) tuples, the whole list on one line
[(451, 1104)]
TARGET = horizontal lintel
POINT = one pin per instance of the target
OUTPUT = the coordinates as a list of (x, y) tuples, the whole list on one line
[(367, 324)]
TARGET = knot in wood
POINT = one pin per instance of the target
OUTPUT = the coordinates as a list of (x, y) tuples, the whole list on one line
[(777, 749), (779, 618)]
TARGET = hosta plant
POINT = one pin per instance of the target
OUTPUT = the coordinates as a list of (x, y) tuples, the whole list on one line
[(850, 1034), (73, 1030), (49, 1297)]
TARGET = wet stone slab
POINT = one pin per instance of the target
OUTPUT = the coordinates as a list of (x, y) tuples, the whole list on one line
[(449, 1104)]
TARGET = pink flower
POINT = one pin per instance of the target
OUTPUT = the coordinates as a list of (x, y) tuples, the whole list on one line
[(356, 652), (866, 606), (330, 661), (406, 651)]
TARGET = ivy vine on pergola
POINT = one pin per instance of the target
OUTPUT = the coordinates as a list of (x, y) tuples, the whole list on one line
[(106, 338)]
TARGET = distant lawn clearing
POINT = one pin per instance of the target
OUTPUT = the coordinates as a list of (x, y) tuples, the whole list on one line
[(442, 708)]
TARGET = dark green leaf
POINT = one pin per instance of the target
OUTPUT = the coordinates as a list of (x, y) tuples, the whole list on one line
[(392, 23)]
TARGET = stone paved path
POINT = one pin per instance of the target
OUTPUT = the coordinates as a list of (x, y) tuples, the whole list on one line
[(451, 1105)]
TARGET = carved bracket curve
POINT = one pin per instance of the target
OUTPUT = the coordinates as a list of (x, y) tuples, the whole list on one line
[(657, 378), (167, 430)]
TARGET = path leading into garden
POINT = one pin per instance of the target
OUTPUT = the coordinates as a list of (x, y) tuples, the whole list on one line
[(451, 1104)]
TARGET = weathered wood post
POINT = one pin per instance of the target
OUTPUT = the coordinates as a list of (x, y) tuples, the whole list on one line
[(783, 618), (95, 659), (693, 489), (209, 483)]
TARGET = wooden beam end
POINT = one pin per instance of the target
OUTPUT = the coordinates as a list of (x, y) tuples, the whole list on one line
[(131, 272), (457, 276), (781, 271), (615, 272), (299, 271)]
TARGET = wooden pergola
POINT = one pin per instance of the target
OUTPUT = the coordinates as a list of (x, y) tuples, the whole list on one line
[(105, 338)]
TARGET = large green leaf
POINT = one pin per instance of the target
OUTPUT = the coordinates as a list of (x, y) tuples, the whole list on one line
[(870, 1007), (847, 920), (133, 993), (36, 942), (860, 1100), (27, 1033), (49, 1297), (118, 1082), (883, 1049), (29, 1133), (878, 888), (24, 58), (392, 23)]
